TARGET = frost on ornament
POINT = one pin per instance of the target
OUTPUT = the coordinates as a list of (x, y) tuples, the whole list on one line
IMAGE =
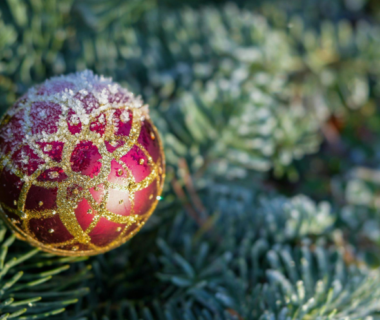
[(82, 165)]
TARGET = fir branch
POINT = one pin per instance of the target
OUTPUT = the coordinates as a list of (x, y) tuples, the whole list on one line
[(31, 282)]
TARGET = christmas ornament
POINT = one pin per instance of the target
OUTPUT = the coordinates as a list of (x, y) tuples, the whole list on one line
[(82, 165)]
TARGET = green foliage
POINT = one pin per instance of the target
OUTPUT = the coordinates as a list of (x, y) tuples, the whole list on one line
[(253, 99), (283, 67), (258, 263), (32, 283)]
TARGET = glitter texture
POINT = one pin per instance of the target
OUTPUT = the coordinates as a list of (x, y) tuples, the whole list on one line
[(82, 165)]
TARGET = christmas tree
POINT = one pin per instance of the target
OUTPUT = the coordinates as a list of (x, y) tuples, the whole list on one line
[(268, 111)]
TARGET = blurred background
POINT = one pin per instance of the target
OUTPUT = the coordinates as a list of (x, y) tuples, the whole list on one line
[(253, 86), (257, 102), (306, 69)]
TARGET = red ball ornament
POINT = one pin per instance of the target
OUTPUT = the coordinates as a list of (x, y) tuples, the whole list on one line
[(82, 165)]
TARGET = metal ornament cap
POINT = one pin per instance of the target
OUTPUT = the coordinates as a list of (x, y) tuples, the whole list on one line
[(81, 165)]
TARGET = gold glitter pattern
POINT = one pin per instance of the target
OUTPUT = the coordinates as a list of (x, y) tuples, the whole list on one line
[(76, 186)]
